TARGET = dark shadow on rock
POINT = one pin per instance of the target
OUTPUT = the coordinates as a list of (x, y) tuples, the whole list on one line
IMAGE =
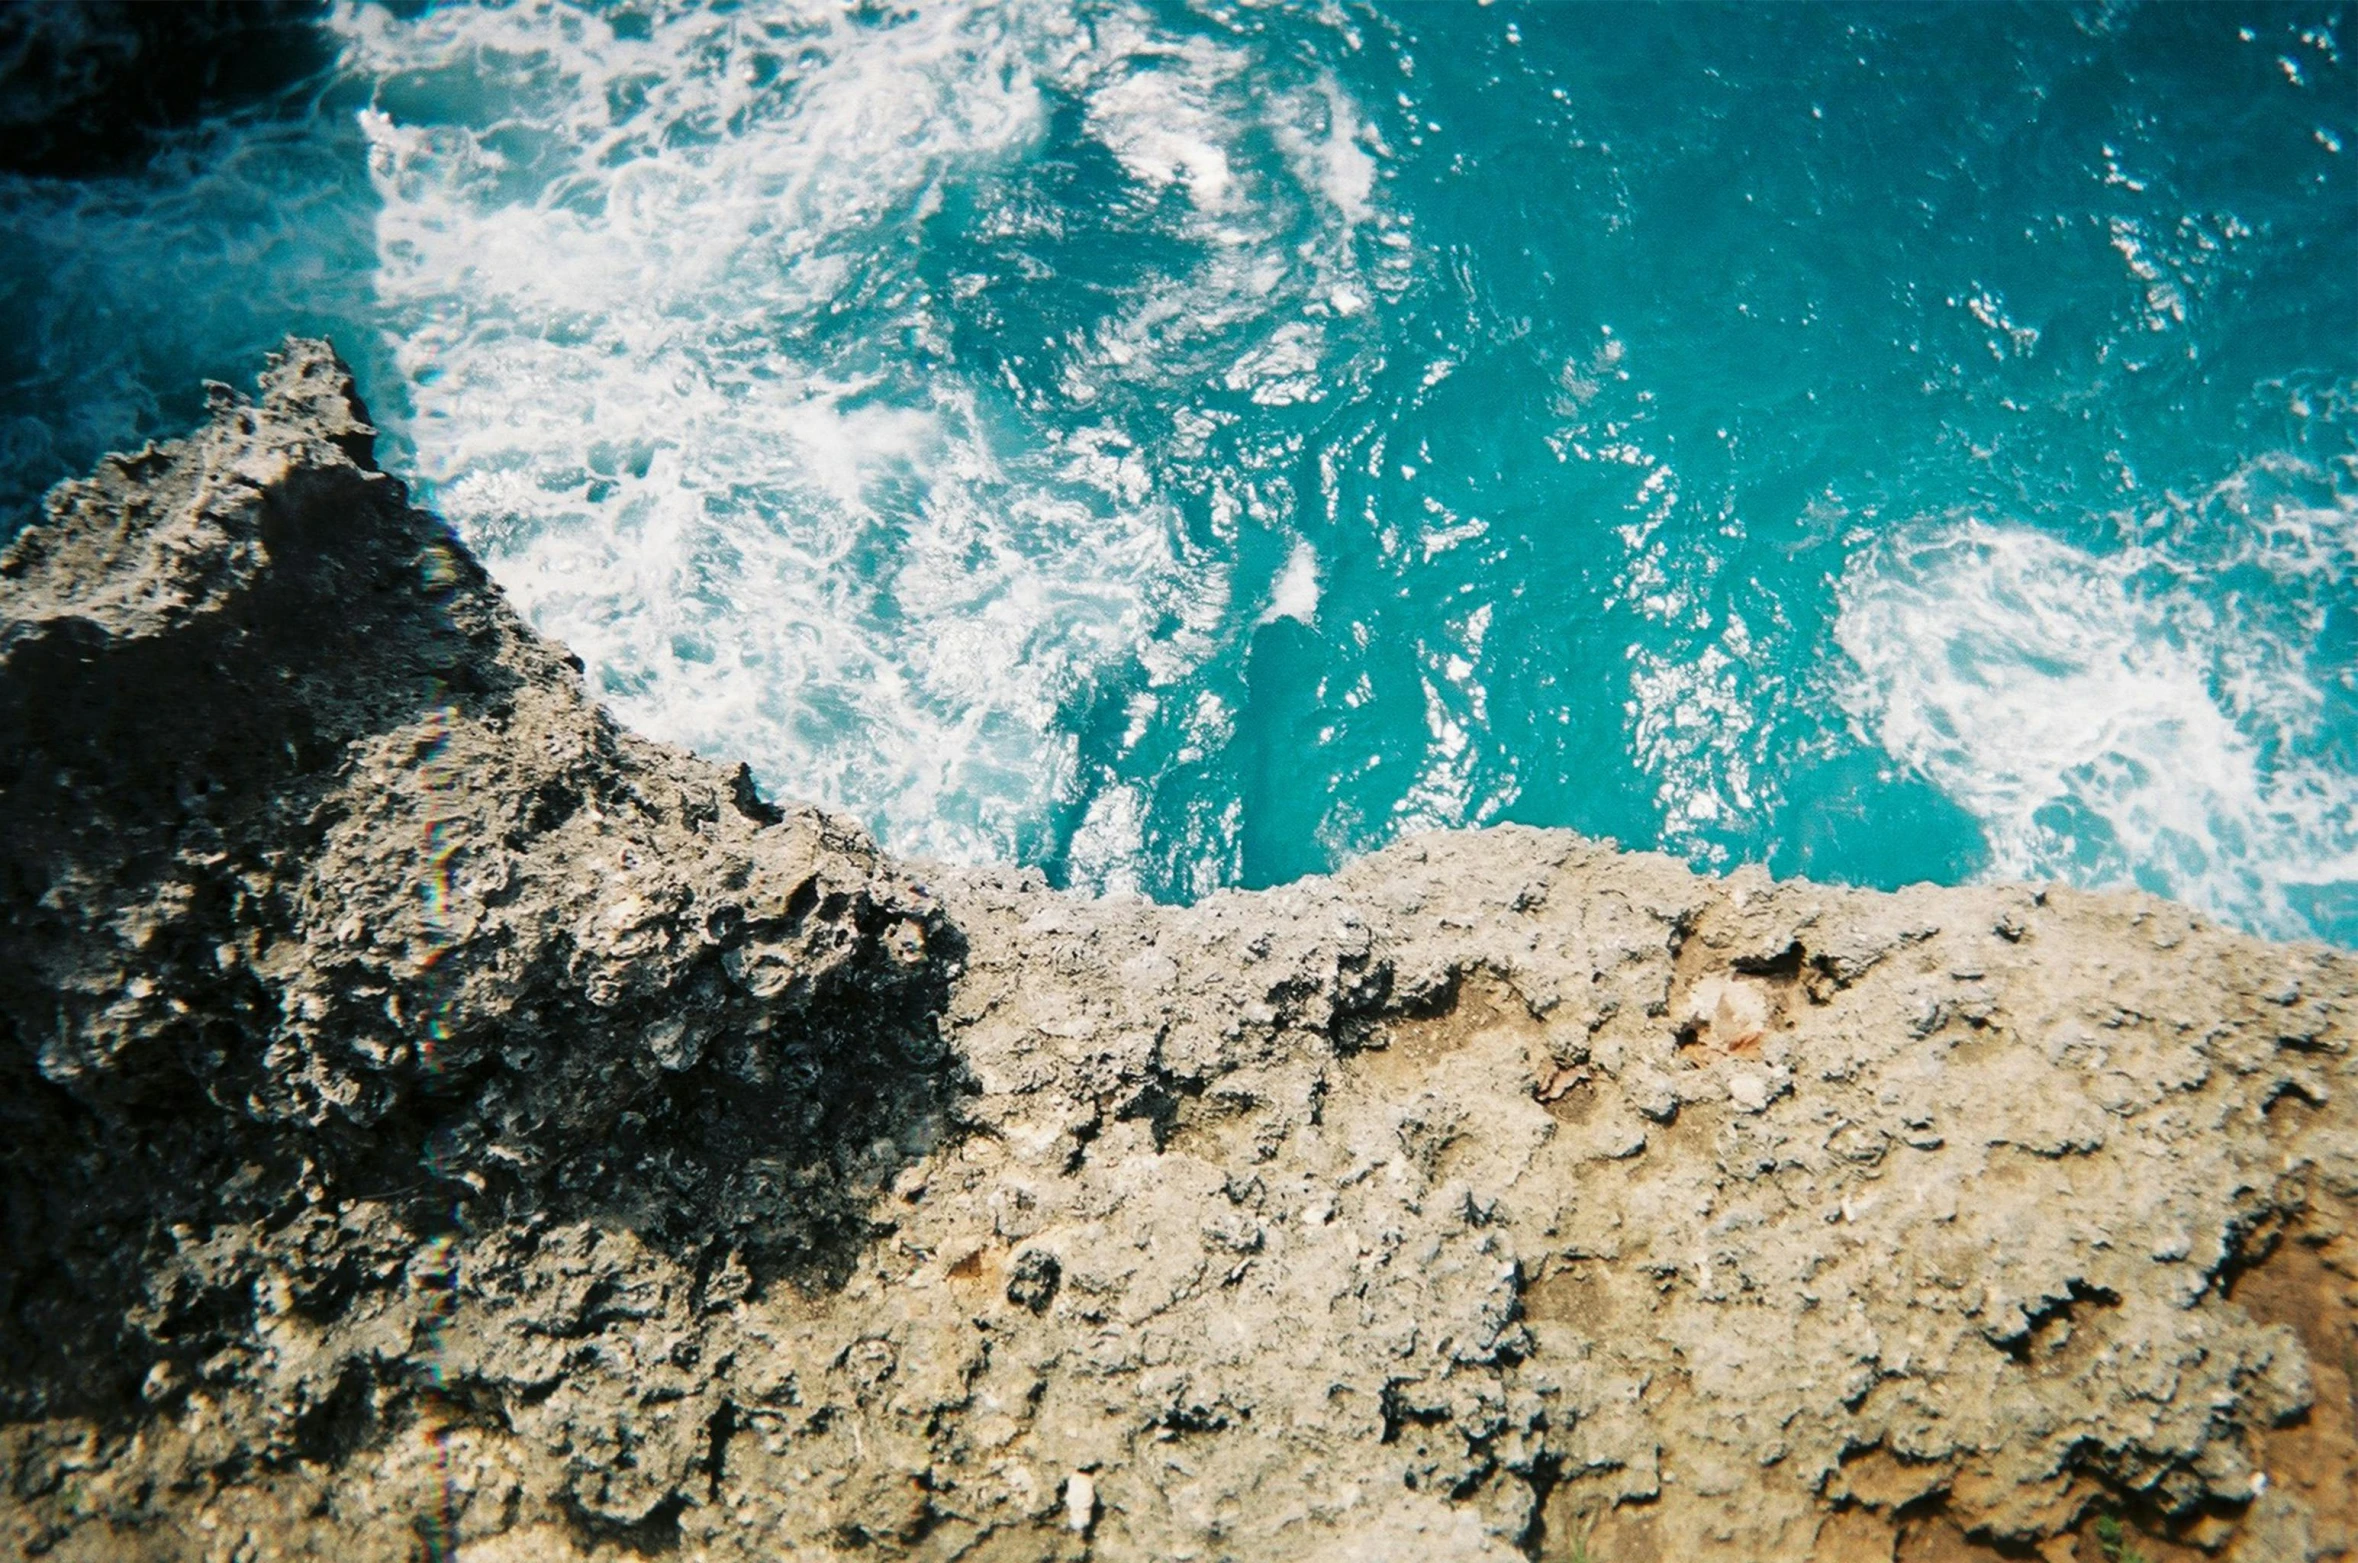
[(149, 743), (324, 886), (695, 1164)]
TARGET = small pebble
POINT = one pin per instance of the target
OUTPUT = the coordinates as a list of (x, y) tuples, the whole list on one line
[(1080, 1502)]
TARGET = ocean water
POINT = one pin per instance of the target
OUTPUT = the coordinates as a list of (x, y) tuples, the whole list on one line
[(1182, 446)]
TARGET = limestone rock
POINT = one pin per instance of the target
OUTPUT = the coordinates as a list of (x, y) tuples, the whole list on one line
[(438, 1120)]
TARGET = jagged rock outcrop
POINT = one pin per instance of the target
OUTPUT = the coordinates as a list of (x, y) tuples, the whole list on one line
[(440, 1124), (322, 874)]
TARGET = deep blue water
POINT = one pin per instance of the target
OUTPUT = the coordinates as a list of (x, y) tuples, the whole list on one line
[(1181, 446)]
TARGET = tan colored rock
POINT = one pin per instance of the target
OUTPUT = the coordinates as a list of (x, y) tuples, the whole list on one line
[(1502, 1195)]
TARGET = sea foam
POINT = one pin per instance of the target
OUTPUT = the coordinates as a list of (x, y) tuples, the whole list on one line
[(681, 370), (1181, 446), (2138, 714)]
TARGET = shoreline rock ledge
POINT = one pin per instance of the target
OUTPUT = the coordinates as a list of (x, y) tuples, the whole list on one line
[(438, 1124)]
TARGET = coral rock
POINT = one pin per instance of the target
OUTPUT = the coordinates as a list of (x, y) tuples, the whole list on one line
[(436, 1118)]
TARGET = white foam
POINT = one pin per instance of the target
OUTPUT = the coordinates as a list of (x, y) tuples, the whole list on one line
[(1294, 594), (1328, 154), (1284, 369), (2115, 717), (1105, 851), (658, 300), (1162, 122)]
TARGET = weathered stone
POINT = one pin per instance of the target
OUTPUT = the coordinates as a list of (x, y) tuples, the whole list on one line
[(437, 1118)]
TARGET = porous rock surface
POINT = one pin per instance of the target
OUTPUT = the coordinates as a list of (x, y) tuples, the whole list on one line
[(439, 1124)]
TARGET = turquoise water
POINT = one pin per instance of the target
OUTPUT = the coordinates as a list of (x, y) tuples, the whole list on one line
[(1182, 446)]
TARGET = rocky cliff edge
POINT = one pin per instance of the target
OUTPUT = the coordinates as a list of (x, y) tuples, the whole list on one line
[(435, 1123)]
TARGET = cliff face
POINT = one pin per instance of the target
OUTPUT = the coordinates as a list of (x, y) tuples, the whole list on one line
[(440, 1124)]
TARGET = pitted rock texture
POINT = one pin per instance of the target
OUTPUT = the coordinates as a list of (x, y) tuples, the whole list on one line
[(444, 1126), (319, 873)]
